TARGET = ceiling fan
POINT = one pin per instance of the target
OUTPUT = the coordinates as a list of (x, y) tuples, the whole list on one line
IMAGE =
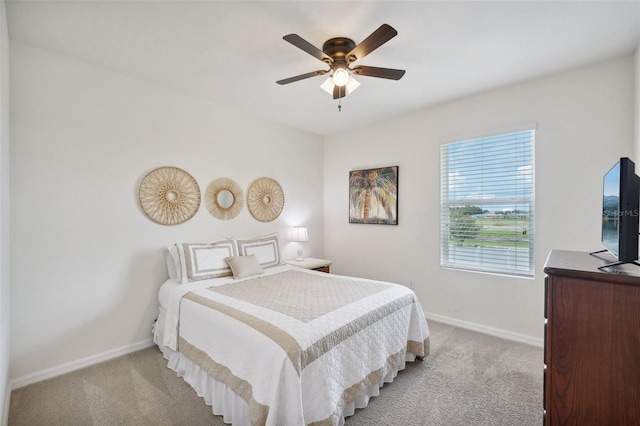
[(338, 53)]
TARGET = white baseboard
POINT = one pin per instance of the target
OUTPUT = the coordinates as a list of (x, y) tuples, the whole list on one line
[(509, 335), (78, 364)]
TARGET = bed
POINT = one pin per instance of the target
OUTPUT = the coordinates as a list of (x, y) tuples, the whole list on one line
[(280, 345)]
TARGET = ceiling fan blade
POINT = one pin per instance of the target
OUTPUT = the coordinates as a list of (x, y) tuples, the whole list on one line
[(371, 43), (303, 44), (388, 73), (339, 92), (302, 76)]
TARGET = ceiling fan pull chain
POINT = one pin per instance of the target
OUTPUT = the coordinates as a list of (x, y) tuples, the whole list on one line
[(339, 104)]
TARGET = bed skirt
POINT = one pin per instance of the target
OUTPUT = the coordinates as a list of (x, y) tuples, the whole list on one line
[(230, 406)]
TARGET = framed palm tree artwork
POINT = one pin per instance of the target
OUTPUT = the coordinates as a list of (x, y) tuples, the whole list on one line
[(373, 196)]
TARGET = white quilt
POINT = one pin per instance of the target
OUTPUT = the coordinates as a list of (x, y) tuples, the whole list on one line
[(296, 345)]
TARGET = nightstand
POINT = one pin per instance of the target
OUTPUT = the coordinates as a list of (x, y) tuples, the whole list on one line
[(322, 265)]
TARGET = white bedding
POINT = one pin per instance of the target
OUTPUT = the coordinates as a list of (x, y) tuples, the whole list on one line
[(293, 359), (170, 295)]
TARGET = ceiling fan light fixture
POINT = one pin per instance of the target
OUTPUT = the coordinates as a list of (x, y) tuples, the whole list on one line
[(352, 84), (340, 77), (328, 85)]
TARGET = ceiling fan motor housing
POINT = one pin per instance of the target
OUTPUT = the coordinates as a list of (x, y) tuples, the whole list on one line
[(338, 48)]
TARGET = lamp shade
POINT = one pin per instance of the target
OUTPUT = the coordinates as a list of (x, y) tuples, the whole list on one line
[(300, 234), (352, 84), (328, 85)]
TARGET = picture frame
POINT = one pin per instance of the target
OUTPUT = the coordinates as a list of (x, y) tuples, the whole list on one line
[(373, 196)]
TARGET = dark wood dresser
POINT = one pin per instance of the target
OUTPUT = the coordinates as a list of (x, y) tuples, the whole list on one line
[(591, 341)]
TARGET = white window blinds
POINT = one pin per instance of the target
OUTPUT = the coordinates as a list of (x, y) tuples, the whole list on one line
[(487, 204)]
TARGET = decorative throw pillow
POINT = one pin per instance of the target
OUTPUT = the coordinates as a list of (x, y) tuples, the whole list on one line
[(172, 258), (203, 261), (244, 266), (265, 247)]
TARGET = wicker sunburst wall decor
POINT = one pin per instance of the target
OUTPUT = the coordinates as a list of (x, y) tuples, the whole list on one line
[(265, 199), (224, 198), (169, 195)]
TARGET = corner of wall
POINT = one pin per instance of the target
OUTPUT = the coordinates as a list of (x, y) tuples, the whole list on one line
[(5, 389)]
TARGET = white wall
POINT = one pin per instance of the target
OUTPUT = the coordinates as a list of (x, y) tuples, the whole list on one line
[(585, 122), (86, 262), (5, 390)]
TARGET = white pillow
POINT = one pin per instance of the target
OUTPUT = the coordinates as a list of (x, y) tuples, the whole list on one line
[(244, 266), (203, 261), (172, 258), (265, 247)]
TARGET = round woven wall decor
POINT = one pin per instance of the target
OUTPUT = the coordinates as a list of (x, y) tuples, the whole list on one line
[(169, 195), (265, 199), (224, 198)]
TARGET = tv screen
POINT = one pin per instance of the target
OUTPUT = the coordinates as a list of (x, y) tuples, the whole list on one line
[(620, 205)]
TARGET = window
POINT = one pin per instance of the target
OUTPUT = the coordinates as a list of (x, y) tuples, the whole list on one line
[(487, 204)]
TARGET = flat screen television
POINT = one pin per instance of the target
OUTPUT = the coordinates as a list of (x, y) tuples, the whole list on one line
[(620, 211)]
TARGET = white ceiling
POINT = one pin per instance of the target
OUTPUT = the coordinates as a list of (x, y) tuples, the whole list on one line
[(232, 52)]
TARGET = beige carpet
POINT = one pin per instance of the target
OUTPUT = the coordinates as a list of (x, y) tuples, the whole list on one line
[(469, 379)]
